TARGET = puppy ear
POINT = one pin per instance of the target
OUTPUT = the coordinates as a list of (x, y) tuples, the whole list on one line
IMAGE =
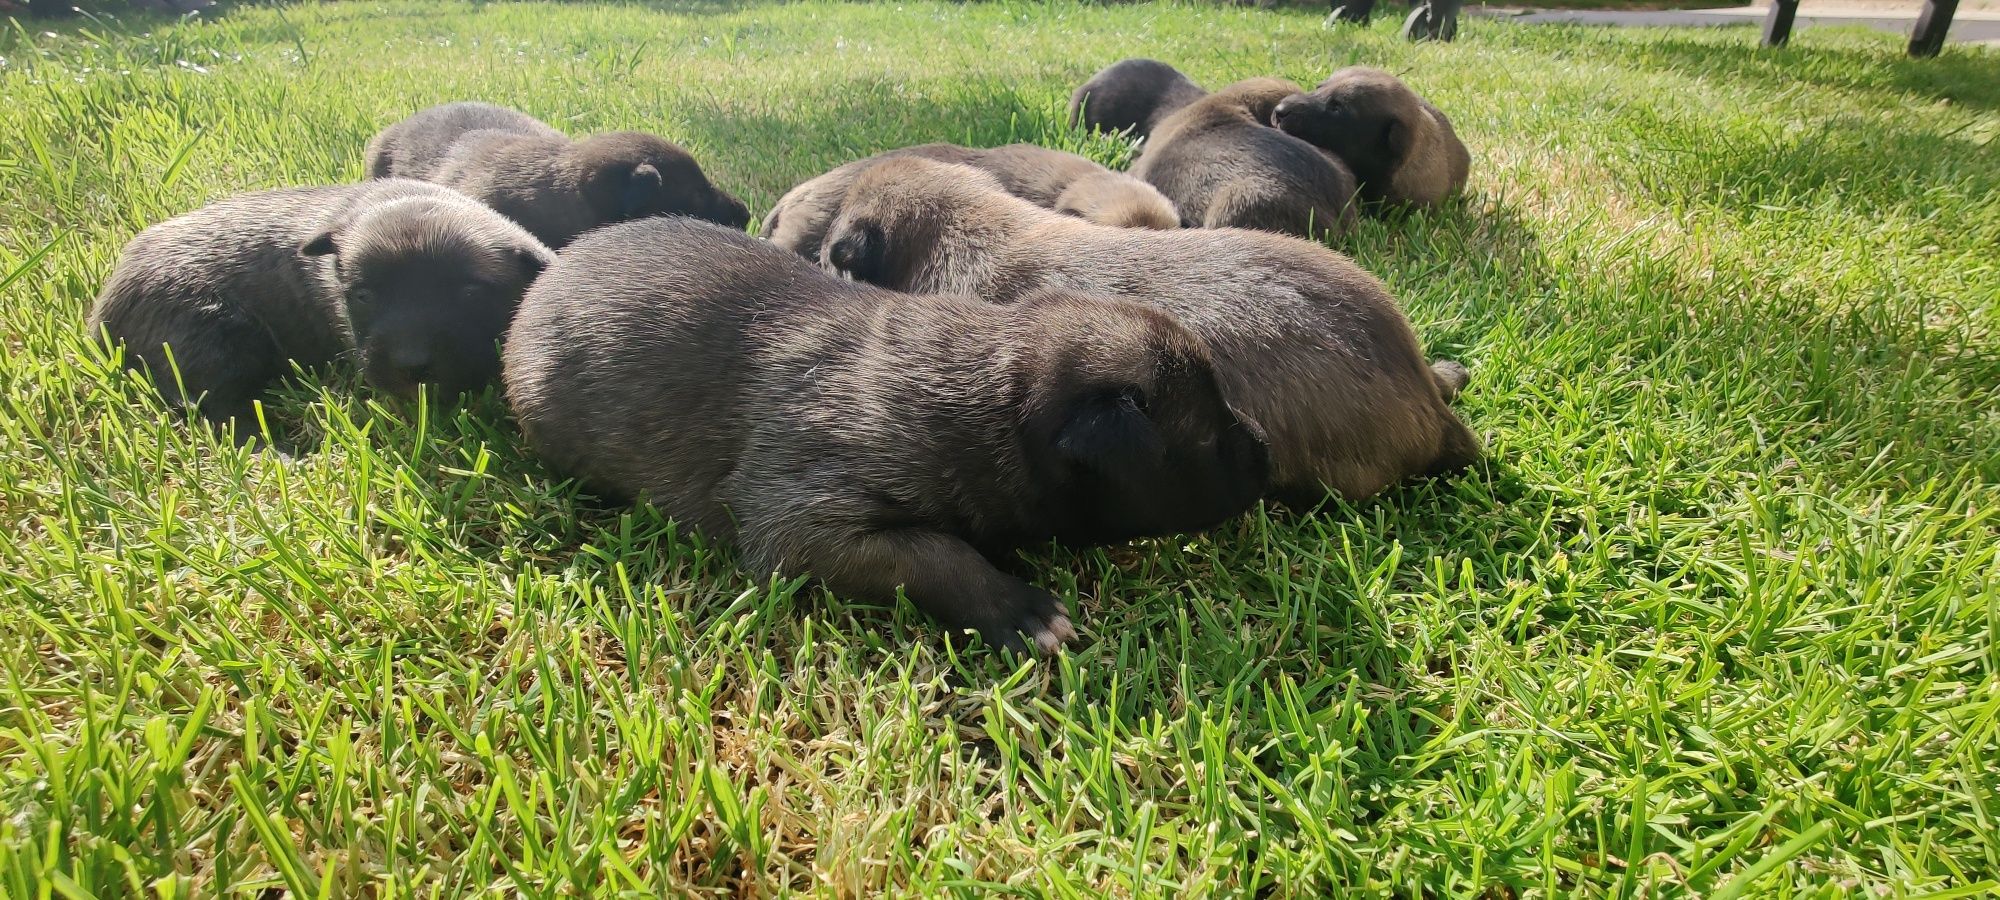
[(642, 191), (1109, 431), (320, 244), (1396, 139), (534, 260), (861, 251)]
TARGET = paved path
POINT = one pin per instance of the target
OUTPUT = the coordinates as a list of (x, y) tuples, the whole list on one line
[(1970, 25)]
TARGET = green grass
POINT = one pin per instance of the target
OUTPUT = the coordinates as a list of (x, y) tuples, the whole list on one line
[(1718, 618)]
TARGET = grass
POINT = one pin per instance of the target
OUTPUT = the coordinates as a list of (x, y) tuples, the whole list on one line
[(1717, 619)]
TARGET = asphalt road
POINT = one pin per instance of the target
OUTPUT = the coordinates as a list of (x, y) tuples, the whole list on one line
[(1966, 27)]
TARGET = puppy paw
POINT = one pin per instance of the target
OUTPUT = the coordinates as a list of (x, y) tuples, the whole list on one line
[(1032, 619)]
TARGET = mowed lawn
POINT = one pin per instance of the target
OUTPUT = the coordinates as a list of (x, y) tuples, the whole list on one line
[(1718, 616)]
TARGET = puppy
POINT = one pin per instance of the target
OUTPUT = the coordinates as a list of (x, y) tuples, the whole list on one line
[(413, 281), (1065, 182), (1400, 148), (1307, 344), (875, 440), (1223, 167), (1073, 185), (555, 187), (1118, 200), (1131, 96)]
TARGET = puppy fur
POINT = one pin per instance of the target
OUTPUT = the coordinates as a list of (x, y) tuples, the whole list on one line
[(1132, 96), (1307, 344), (1223, 167), (872, 439), (1402, 150), (555, 187), (413, 281), (1065, 182)]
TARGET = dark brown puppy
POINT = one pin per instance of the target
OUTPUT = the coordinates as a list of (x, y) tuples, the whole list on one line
[(1307, 344), (1132, 95), (414, 281), (1222, 165), (555, 187), (1400, 148), (873, 439), (1065, 182)]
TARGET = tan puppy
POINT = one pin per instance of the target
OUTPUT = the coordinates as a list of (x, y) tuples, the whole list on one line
[(1064, 182), (1306, 343), (1222, 165), (1402, 149)]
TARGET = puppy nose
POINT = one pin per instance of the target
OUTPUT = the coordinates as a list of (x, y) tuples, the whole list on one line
[(414, 362), (1283, 109)]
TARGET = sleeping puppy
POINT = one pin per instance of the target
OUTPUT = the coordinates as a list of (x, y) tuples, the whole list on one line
[(1131, 96), (1401, 149), (872, 439), (1071, 184), (413, 281), (1064, 182), (1222, 165), (1306, 343), (555, 187)]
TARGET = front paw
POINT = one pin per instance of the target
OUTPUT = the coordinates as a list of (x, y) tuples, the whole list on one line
[(1030, 617)]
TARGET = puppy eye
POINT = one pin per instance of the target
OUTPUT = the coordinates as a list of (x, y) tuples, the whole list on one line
[(1134, 398), (361, 296)]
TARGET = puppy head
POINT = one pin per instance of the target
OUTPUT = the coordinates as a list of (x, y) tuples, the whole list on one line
[(1367, 117), (429, 285), (896, 214), (1118, 200), (632, 175), (1126, 422)]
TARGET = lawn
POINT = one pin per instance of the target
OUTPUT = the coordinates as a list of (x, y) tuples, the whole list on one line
[(1718, 617)]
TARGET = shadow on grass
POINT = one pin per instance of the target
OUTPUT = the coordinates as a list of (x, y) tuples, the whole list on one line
[(856, 117)]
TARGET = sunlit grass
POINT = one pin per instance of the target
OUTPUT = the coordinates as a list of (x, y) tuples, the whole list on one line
[(1718, 617)]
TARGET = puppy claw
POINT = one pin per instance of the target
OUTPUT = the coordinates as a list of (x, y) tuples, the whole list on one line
[(1053, 635)]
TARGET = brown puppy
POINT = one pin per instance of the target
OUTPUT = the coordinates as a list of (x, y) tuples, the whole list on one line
[(415, 281), (555, 187), (1223, 167), (1065, 182), (1075, 186), (1133, 96), (1308, 345), (1401, 149), (875, 440)]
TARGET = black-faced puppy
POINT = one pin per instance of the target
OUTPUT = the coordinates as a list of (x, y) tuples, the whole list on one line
[(413, 281), (555, 187), (1065, 182), (1401, 149), (1307, 344), (872, 439), (1223, 166), (1133, 96)]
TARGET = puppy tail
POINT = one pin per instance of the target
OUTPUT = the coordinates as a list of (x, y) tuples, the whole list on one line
[(1451, 377)]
